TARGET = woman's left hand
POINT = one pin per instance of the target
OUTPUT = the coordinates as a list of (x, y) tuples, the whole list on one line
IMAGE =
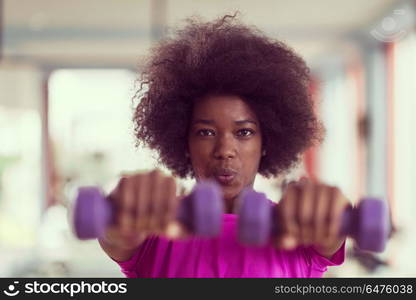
[(310, 213)]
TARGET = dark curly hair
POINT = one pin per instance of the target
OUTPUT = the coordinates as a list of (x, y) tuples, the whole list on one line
[(225, 57)]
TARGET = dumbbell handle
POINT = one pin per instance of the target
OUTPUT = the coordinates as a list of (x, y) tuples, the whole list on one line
[(93, 211)]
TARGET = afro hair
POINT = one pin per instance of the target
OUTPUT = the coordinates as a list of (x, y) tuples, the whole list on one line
[(225, 57)]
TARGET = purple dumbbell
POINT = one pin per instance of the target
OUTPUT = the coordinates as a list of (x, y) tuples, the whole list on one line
[(201, 211), (368, 223)]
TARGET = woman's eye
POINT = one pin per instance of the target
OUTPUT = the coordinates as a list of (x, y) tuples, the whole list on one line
[(245, 132), (242, 132), (205, 132)]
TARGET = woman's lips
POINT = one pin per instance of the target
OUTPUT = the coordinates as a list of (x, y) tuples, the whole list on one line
[(224, 175), (225, 179)]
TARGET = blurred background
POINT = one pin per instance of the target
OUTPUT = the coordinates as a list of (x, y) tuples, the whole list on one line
[(68, 71)]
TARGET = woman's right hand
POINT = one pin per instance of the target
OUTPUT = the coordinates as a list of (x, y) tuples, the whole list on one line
[(143, 204)]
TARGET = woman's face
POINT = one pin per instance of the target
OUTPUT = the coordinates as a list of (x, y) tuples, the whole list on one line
[(225, 143)]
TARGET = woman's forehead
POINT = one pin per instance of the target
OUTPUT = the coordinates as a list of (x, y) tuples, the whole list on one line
[(224, 107)]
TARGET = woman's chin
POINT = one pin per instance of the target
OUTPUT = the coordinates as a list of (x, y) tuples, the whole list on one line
[(230, 193)]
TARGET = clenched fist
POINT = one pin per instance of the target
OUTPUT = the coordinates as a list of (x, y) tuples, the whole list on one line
[(310, 213), (143, 204)]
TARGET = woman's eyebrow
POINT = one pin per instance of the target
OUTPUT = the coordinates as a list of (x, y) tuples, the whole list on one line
[(239, 122)]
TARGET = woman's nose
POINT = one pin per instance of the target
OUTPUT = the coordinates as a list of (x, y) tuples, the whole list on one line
[(225, 147)]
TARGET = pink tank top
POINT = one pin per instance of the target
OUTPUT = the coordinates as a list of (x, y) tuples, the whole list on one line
[(224, 256)]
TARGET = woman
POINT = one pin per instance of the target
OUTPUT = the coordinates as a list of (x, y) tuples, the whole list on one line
[(224, 102)]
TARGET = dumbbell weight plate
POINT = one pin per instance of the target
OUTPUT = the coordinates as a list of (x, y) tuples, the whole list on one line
[(201, 211), (92, 213), (373, 224), (255, 218)]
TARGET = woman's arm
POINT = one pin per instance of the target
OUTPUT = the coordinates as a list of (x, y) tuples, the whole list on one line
[(329, 250), (117, 252)]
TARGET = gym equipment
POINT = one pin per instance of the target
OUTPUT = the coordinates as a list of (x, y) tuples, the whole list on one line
[(367, 223), (200, 211)]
